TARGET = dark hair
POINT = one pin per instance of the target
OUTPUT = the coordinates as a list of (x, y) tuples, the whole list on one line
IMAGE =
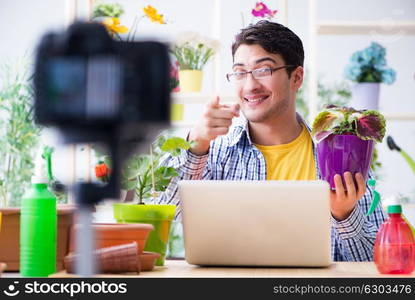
[(274, 38)]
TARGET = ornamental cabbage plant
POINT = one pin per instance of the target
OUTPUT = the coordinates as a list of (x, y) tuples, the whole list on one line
[(366, 124)]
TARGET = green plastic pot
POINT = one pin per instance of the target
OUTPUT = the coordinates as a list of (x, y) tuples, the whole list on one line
[(159, 215)]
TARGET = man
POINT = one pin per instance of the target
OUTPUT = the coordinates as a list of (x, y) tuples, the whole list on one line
[(274, 143)]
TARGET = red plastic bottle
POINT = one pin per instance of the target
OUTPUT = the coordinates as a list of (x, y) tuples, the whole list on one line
[(394, 251)]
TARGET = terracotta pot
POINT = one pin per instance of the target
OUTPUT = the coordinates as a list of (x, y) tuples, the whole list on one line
[(115, 259), (107, 235), (10, 235), (148, 259), (3, 267)]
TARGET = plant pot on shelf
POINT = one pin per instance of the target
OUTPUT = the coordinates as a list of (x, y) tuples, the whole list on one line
[(365, 95), (340, 153), (160, 216), (190, 80), (104, 211), (177, 111), (10, 236)]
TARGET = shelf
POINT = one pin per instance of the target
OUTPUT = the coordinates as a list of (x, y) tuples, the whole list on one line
[(399, 116), (198, 98), (182, 124), (372, 28)]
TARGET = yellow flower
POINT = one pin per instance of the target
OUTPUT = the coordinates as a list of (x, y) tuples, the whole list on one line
[(152, 14), (113, 26)]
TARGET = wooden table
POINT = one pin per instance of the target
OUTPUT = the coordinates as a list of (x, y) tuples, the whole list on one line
[(179, 268)]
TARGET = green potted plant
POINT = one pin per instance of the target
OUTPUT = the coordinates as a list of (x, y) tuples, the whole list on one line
[(367, 68), (192, 51), (147, 178), (345, 139)]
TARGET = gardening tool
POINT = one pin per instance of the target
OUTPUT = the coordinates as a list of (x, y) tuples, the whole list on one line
[(392, 145)]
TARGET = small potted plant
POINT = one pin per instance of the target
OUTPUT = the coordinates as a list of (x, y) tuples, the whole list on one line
[(259, 12), (145, 175), (345, 139), (367, 68), (192, 51)]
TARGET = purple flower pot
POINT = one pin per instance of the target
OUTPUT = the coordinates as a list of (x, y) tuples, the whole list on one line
[(340, 153)]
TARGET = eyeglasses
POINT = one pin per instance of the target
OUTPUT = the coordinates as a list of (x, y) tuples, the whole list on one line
[(257, 73)]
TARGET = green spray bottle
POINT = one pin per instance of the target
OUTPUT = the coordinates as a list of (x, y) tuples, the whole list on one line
[(38, 226), (375, 202)]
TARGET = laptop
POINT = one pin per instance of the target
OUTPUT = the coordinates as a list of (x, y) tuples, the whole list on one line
[(256, 223)]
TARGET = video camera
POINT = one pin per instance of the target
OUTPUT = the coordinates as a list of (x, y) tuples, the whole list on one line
[(97, 90), (85, 79)]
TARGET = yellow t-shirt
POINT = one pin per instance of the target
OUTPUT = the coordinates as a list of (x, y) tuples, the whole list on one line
[(292, 161)]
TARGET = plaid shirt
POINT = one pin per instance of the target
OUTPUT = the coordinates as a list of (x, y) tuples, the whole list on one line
[(234, 157)]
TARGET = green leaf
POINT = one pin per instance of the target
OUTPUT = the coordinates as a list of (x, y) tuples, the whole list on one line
[(160, 141), (163, 175), (324, 124), (129, 184), (108, 10), (174, 145), (136, 166)]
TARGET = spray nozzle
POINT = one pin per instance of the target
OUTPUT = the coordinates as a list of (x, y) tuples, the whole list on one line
[(394, 203), (39, 175), (47, 155), (376, 197)]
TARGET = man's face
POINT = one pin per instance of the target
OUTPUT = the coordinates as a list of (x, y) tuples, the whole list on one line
[(266, 98)]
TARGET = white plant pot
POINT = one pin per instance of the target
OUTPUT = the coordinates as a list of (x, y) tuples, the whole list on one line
[(365, 95), (104, 213), (104, 210)]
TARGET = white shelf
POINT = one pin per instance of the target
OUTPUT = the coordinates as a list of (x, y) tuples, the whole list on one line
[(198, 98), (399, 116), (388, 117), (182, 124), (333, 27), (365, 28)]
